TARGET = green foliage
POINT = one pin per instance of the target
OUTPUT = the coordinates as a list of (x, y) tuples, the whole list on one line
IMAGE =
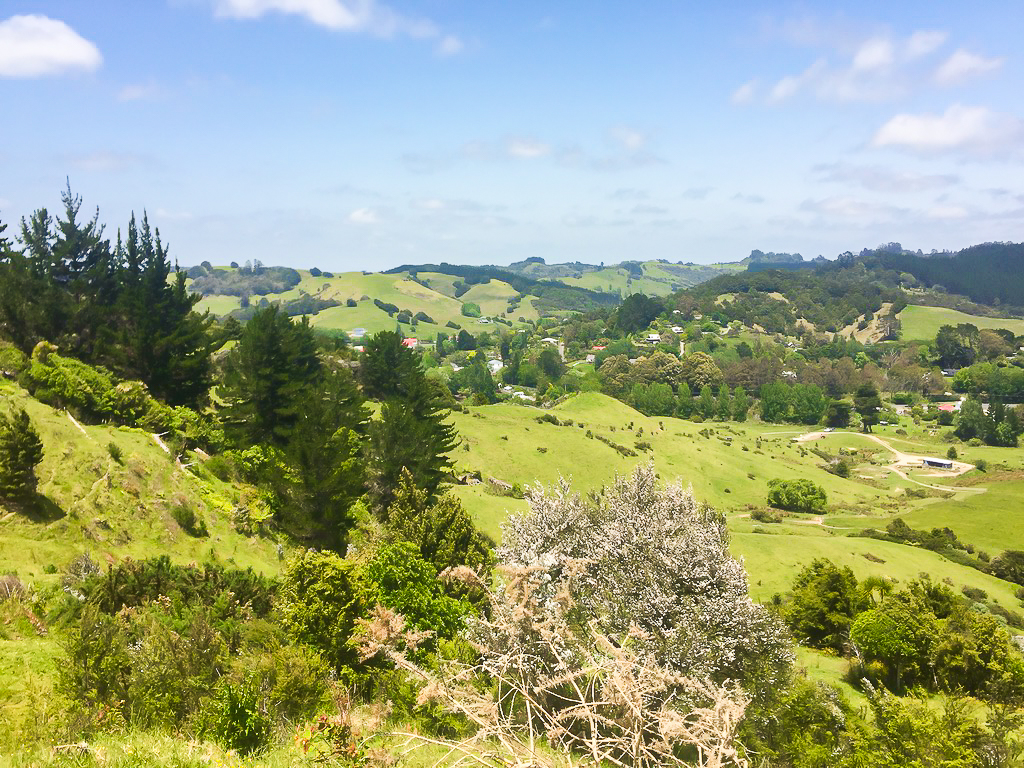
[(470, 309), (265, 377), (868, 405), (234, 717), (322, 597), (799, 495), (637, 312), (400, 579), (189, 520), (822, 605), (21, 450), (443, 532)]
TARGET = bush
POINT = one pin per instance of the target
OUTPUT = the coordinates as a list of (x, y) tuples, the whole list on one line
[(115, 451), (981, 465), (350, 302), (766, 516), (951, 453), (797, 495), (235, 718), (188, 520), (471, 309)]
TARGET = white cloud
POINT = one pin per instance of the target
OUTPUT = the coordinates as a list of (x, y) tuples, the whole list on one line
[(879, 67), (963, 65), (745, 93), (649, 210), (752, 199), (363, 216), (959, 128), (923, 42), (696, 193), (873, 55), (344, 15), (450, 45), (527, 148), (882, 179), (34, 46)]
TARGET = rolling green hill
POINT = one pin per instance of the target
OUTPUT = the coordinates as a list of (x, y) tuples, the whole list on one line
[(728, 466), (435, 300), (922, 323)]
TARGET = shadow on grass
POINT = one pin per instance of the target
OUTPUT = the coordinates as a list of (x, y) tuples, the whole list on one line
[(36, 508)]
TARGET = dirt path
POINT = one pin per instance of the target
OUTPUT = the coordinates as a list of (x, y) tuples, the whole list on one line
[(902, 461)]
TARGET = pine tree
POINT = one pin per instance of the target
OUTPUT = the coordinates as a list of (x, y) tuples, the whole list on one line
[(265, 378), (21, 450), (327, 453)]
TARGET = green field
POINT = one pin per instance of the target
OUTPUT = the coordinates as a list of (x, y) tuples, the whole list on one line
[(922, 323), (437, 301), (505, 442)]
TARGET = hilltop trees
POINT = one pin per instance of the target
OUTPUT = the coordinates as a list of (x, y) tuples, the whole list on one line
[(106, 306)]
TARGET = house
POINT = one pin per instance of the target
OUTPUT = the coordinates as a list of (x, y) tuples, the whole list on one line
[(357, 333), (937, 463), (652, 338), (494, 366), (677, 329), (591, 358), (949, 407), (550, 340), (410, 343)]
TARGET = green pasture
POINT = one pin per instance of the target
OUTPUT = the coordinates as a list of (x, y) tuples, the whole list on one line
[(922, 323)]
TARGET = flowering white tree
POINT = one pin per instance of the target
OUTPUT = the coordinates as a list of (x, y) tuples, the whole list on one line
[(654, 559), (621, 633)]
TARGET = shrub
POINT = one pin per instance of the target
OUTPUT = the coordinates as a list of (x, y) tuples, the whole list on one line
[(115, 451), (471, 309), (766, 516), (350, 302), (974, 593), (797, 495), (981, 465), (189, 520), (235, 718), (951, 453)]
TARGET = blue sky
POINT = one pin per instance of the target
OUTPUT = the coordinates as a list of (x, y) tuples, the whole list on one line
[(354, 134)]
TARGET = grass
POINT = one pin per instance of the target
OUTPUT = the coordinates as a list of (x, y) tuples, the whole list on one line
[(504, 441), (922, 323), (435, 300), (89, 502)]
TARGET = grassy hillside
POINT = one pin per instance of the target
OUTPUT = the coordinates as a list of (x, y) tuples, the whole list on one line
[(437, 300), (729, 467), (114, 509), (922, 323), (655, 278)]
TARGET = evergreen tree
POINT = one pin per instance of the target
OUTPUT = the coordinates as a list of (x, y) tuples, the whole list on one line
[(386, 365), (868, 405), (740, 404), (326, 452), (723, 407), (163, 341), (706, 402), (265, 378), (684, 401), (21, 450)]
